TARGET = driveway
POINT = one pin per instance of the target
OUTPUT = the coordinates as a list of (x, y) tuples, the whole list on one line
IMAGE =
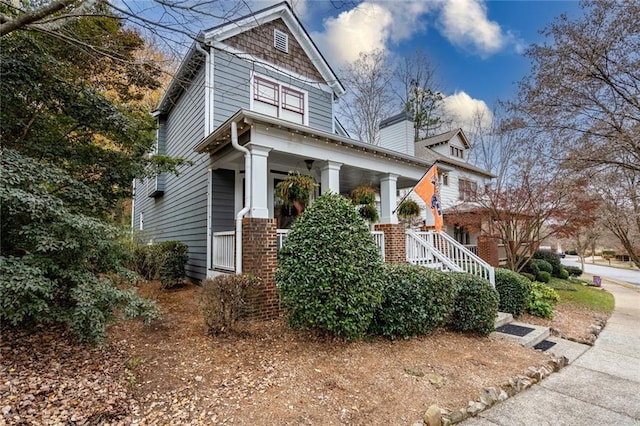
[(626, 275)]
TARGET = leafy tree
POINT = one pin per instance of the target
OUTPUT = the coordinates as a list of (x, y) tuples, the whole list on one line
[(421, 97), (74, 136)]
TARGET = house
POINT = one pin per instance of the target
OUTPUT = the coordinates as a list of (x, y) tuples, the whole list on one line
[(252, 101), (460, 182)]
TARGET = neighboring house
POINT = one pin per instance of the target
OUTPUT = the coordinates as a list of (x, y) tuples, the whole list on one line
[(253, 100), (460, 182)]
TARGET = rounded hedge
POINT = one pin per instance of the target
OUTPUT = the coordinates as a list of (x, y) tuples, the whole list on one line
[(475, 306), (552, 258), (540, 265), (330, 272), (574, 271), (528, 276), (415, 301), (543, 277), (514, 290)]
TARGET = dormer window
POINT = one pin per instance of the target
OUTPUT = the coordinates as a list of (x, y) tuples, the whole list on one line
[(457, 152), (281, 41)]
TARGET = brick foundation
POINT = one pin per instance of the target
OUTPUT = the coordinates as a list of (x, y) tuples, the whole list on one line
[(488, 250), (395, 246), (259, 258)]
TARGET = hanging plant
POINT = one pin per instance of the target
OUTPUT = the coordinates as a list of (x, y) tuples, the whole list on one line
[(295, 190), (408, 209), (363, 194), (368, 212)]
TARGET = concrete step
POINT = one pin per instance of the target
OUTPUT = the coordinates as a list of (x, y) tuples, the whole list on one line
[(572, 350), (503, 318), (529, 340)]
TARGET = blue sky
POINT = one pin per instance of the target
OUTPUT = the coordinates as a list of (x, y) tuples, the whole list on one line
[(476, 46)]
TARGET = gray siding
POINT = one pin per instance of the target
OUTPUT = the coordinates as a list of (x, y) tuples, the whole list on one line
[(181, 213), (231, 82)]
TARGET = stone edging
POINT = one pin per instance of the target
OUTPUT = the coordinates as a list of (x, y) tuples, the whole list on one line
[(436, 416)]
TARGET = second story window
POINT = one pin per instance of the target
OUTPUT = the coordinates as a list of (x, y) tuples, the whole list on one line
[(468, 189), (278, 100), (445, 179)]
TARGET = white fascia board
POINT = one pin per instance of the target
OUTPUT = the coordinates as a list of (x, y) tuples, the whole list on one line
[(234, 28), (284, 141)]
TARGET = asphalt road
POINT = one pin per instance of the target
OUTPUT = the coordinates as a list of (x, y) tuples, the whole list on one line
[(626, 275)]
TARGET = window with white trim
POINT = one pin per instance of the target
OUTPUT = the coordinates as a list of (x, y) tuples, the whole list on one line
[(273, 98), (468, 189)]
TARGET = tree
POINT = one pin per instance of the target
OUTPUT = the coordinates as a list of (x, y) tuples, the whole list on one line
[(369, 99), (74, 136), (584, 83), (420, 95)]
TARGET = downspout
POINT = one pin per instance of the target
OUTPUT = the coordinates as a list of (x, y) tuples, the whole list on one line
[(247, 194)]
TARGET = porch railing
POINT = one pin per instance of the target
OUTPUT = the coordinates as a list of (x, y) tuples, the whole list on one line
[(281, 235), (472, 249), (223, 250), (378, 237), (440, 245)]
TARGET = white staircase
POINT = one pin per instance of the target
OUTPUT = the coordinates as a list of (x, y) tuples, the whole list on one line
[(440, 251)]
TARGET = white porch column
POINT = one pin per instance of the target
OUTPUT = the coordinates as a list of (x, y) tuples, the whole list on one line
[(330, 177), (388, 199), (259, 182)]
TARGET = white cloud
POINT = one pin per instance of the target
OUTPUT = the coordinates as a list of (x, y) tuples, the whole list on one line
[(362, 29), (465, 23), (465, 111)]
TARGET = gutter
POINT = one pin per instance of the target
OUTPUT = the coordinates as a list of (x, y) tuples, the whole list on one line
[(247, 194)]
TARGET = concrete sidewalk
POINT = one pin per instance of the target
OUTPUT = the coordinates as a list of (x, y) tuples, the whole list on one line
[(602, 387)]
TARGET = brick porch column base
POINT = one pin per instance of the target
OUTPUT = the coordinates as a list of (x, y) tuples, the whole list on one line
[(259, 251), (395, 246), (488, 250)]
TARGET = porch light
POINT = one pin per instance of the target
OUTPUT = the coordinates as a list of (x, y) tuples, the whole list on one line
[(309, 164)]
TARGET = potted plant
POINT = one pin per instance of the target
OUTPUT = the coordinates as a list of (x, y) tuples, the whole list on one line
[(408, 209), (364, 198), (295, 190)]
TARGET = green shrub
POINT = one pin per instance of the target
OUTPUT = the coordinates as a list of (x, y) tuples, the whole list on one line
[(415, 301), (542, 300), (573, 271), (543, 276), (164, 261), (564, 274), (552, 258), (528, 276), (514, 291), (475, 305), (330, 273), (540, 265), (175, 259), (224, 299)]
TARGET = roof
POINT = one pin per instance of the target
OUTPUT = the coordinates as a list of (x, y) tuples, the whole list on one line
[(444, 138), (220, 137), (216, 36)]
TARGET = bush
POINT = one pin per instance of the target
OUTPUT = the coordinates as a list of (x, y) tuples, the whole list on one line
[(528, 276), (552, 258), (163, 261), (415, 301), (330, 273), (514, 291), (475, 306), (542, 300), (543, 277), (540, 265), (564, 274), (224, 299), (573, 271)]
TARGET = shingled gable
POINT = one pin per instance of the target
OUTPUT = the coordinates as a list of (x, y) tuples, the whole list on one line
[(305, 60), (253, 35)]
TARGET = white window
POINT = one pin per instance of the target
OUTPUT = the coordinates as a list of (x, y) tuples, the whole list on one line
[(444, 177), (281, 41), (273, 98)]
